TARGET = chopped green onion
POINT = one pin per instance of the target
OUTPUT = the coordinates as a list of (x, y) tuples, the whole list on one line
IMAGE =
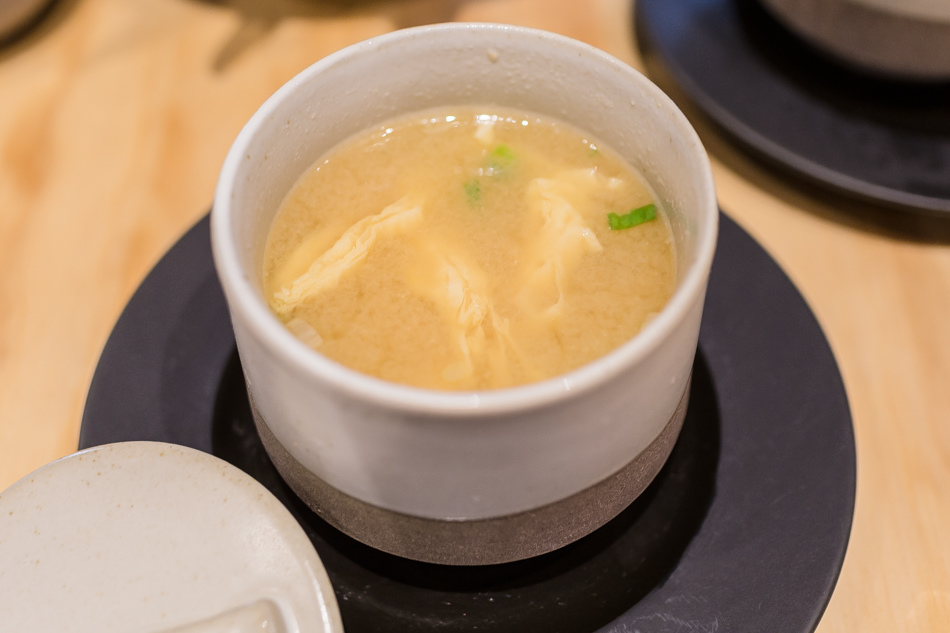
[(473, 191), (636, 216), (501, 158), (504, 153)]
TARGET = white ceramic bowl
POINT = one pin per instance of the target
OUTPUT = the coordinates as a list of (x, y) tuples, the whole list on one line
[(462, 456), (907, 39)]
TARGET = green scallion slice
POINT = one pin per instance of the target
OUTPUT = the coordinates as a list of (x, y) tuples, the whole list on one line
[(504, 153), (473, 191), (636, 216), (501, 158)]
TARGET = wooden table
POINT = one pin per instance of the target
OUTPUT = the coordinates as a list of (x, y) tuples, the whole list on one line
[(115, 116)]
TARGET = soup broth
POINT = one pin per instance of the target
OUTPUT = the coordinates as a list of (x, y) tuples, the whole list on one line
[(468, 248)]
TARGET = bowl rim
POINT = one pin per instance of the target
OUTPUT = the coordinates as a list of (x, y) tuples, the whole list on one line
[(266, 326)]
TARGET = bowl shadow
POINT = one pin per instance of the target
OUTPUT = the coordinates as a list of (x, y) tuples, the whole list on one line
[(578, 588), (36, 28), (258, 18)]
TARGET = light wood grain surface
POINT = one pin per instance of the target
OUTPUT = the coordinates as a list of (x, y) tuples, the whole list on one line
[(115, 116)]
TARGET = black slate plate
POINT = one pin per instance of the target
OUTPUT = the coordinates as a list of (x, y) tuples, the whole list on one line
[(745, 529), (878, 139)]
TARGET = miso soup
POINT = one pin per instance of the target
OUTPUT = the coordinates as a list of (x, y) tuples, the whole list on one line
[(468, 248)]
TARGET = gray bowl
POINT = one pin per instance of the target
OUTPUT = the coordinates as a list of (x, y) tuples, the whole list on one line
[(906, 39)]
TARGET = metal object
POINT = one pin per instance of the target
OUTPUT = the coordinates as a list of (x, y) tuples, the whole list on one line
[(17, 14)]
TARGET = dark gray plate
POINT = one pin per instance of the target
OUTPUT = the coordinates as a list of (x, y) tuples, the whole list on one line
[(745, 528), (877, 139)]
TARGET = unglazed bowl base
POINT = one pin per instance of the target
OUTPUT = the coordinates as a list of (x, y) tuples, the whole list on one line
[(482, 541)]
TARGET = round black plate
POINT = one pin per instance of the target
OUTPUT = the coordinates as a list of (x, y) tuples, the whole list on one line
[(745, 529), (878, 139)]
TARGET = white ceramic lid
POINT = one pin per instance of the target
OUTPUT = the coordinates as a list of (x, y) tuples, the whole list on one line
[(142, 537)]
